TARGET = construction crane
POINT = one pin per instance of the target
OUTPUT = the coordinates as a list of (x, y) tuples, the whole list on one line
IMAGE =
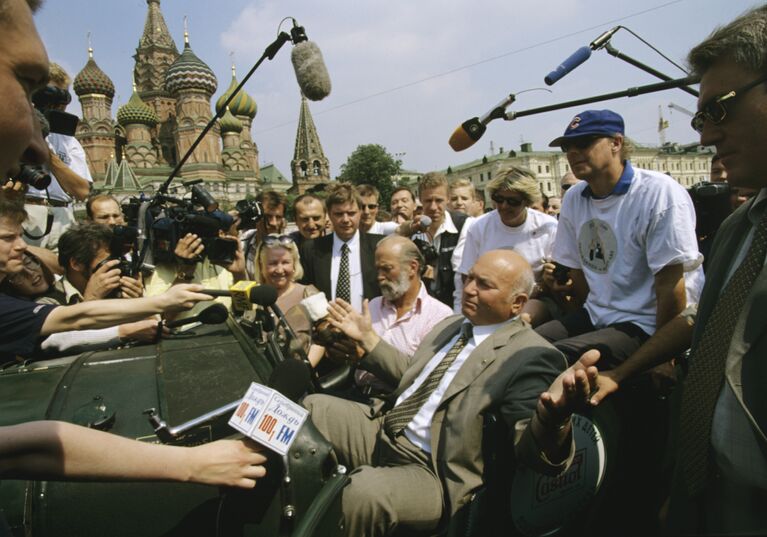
[(674, 106), (662, 126)]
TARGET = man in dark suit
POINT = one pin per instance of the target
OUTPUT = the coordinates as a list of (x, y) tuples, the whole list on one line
[(417, 456), (342, 264), (719, 483)]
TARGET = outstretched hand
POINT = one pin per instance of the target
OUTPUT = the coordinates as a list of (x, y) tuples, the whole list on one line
[(571, 390), (349, 321), (357, 326)]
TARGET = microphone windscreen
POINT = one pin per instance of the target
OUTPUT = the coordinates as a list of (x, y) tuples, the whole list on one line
[(263, 295), (213, 314), (311, 73), (467, 134), (425, 221), (291, 378)]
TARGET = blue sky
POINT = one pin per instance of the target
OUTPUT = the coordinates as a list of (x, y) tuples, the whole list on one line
[(405, 74)]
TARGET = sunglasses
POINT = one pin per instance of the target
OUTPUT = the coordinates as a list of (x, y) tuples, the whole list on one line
[(715, 109), (579, 143), (278, 240), (511, 202)]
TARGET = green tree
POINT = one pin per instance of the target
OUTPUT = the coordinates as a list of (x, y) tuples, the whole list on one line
[(372, 164)]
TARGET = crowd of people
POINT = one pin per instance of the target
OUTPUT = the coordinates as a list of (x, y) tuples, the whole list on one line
[(453, 303)]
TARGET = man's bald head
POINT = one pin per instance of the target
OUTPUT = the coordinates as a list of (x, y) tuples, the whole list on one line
[(497, 287)]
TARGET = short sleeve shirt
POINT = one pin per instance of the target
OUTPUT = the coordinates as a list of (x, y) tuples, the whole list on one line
[(20, 324), (621, 241)]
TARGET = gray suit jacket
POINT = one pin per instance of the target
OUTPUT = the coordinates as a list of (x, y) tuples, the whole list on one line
[(507, 372), (747, 371)]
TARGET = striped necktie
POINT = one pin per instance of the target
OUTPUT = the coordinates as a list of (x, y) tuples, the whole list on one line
[(398, 418)]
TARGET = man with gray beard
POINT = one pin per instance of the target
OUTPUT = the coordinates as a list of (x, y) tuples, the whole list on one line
[(406, 312)]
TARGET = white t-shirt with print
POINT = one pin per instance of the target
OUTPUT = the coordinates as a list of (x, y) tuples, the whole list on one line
[(533, 240), (621, 241)]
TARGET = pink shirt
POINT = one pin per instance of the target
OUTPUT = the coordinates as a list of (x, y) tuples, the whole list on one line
[(406, 333)]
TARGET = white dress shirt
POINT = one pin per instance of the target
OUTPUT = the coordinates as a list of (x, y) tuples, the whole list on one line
[(355, 269), (418, 431)]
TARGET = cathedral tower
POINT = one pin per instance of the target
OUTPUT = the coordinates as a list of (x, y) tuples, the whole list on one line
[(309, 166)]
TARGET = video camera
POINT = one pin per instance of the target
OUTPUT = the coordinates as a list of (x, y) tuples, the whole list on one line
[(176, 218), (46, 100), (428, 251), (712, 206), (250, 212)]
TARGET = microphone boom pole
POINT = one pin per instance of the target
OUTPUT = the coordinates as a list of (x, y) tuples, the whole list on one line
[(630, 92), (269, 53)]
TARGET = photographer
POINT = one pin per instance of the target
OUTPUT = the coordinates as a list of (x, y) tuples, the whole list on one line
[(50, 210), (91, 270), (193, 265), (271, 221)]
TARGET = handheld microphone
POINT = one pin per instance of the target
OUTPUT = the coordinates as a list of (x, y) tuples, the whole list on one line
[(245, 293), (311, 73), (291, 378), (412, 227), (213, 314), (471, 130), (579, 56)]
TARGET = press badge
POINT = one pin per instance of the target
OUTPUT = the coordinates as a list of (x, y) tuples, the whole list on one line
[(269, 418)]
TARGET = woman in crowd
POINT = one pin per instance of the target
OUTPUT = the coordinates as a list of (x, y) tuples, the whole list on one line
[(516, 225), (278, 264)]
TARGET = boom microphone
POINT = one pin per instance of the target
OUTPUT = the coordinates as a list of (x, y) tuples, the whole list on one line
[(472, 129), (573, 61), (579, 56), (311, 73)]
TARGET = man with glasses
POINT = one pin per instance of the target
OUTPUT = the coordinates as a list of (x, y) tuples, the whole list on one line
[(627, 236), (370, 204), (720, 479)]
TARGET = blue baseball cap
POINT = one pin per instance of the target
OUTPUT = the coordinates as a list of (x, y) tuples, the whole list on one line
[(592, 123)]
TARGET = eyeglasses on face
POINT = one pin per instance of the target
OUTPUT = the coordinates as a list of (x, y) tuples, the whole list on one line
[(278, 240), (511, 202), (715, 109), (580, 143)]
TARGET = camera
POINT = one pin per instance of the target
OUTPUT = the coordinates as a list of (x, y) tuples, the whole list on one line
[(180, 217), (561, 273), (33, 176), (47, 100), (428, 251), (712, 206), (250, 212), (124, 241)]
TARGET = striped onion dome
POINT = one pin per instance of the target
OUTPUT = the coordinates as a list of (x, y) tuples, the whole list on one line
[(229, 123), (189, 72), (242, 104), (92, 80)]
